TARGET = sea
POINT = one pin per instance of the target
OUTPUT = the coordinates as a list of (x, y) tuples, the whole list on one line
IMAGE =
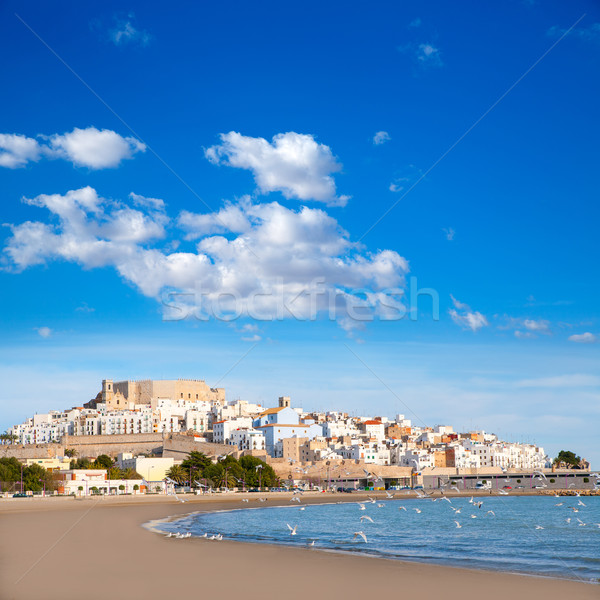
[(536, 535)]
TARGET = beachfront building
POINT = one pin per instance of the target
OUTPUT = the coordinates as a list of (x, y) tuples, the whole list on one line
[(87, 482), (150, 468)]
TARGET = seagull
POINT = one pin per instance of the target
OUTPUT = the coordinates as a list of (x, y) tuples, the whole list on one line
[(390, 496), (292, 529), (366, 518), (295, 499), (446, 499), (574, 509), (380, 505), (361, 506), (568, 520), (473, 516), (539, 527), (580, 503), (262, 499), (457, 510), (581, 523), (490, 512), (303, 508), (311, 543), (559, 504), (360, 534), (402, 508), (169, 535), (417, 510), (372, 500), (503, 492), (244, 499), (471, 500), (458, 525)]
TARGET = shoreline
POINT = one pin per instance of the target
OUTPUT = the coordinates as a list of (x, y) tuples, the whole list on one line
[(76, 538), (152, 526)]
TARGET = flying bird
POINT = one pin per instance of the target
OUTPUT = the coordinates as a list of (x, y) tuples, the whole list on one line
[(360, 534), (366, 518), (292, 529), (458, 525)]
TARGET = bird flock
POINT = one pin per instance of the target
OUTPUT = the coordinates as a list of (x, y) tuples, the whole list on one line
[(475, 509)]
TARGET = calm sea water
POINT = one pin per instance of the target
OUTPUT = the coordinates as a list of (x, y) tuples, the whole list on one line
[(505, 541)]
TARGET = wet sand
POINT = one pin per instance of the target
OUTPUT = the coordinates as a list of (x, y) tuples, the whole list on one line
[(62, 548)]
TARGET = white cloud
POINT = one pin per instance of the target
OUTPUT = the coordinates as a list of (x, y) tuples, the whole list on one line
[(527, 328), (465, 317), (143, 202), (44, 332), (90, 147), (94, 148), (278, 263), (253, 338), (538, 326), (429, 54), (293, 164), (92, 231), (381, 137), (17, 150), (449, 233), (232, 217), (583, 338), (126, 32)]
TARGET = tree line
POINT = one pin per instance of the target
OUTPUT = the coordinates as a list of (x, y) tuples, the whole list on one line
[(35, 477), (229, 472)]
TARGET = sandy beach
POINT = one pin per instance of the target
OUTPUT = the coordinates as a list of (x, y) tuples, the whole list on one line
[(66, 548)]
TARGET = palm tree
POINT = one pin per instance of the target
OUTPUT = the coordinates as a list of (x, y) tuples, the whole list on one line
[(178, 474), (221, 482)]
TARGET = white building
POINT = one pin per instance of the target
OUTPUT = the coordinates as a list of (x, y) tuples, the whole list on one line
[(247, 439)]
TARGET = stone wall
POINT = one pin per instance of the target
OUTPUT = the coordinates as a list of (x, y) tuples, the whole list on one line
[(178, 446)]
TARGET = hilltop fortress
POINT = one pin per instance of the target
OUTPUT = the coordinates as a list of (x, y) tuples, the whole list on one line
[(125, 395)]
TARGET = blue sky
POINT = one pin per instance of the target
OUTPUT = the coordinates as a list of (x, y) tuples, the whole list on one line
[(254, 149)]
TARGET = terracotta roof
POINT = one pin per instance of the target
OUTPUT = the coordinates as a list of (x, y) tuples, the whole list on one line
[(373, 423), (271, 411)]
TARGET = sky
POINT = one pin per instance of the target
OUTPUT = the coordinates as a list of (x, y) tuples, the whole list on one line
[(384, 209)]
